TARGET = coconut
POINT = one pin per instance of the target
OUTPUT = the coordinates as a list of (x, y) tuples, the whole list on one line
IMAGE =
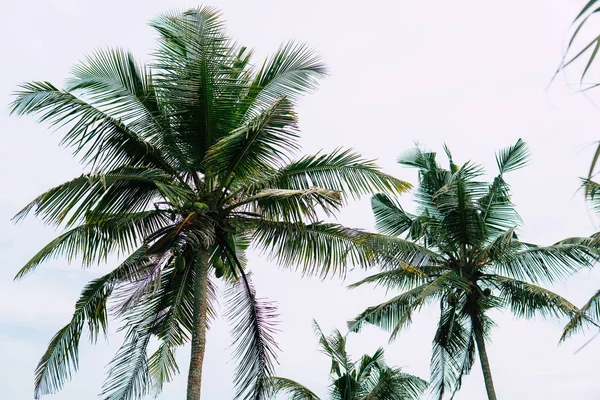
[(201, 206), (180, 263)]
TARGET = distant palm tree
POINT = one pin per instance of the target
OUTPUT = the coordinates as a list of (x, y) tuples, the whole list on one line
[(189, 164), (471, 261), (368, 378)]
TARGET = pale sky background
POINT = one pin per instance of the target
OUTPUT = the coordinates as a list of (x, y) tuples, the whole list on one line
[(469, 73)]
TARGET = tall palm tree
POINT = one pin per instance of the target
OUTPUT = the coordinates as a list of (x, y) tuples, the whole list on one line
[(471, 262), (369, 378), (189, 163)]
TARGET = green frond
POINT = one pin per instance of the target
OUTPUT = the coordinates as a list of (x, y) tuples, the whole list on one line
[(129, 377), (253, 335), (103, 141), (527, 300), (293, 205), (290, 388), (393, 252), (453, 349), (392, 384), (405, 277), (396, 313), (588, 315), (547, 263), (315, 249), (196, 70), (125, 190), (61, 358), (513, 157), (390, 218), (260, 144), (341, 170), (588, 11), (94, 241), (293, 70), (334, 346)]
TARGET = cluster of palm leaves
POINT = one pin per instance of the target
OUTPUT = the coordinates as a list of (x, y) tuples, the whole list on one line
[(368, 378), (471, 262), (589, 313), (193, 158)]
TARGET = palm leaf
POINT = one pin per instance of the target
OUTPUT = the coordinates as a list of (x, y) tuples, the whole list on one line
[(253, 335), (293, 389), (526, 300)]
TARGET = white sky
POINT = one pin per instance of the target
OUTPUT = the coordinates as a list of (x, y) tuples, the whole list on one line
[(466, 72)]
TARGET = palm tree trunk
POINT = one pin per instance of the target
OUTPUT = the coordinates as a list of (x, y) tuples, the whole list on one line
[(485, 365), (199, 328)]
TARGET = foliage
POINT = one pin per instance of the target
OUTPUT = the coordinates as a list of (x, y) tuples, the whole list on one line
[(368, 378), (195, 152), (475, 261)]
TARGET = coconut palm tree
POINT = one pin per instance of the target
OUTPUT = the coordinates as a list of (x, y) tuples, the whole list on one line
[(586, 53), (190, 159), (588, 316), (471, 262), (368, 378)]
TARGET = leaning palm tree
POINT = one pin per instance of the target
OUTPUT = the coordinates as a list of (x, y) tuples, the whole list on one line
[(189, 161), (586, 53), (368, 378), (471, 261)]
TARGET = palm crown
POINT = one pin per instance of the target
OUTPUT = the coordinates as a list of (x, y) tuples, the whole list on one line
[(189, 164), (471, 261), (368, 378)]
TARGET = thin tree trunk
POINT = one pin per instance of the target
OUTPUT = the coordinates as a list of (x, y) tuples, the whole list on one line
[(485, 365), (199, 327)]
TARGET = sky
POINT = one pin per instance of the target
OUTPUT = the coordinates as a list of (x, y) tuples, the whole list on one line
[(468, 73)]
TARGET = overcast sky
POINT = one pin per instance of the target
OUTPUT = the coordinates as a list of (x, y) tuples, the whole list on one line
[(471, 73)]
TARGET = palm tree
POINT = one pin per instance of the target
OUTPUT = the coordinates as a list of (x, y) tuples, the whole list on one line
[(588, 316), (471, 261), (368, 378), (590, 49), (189, 162)]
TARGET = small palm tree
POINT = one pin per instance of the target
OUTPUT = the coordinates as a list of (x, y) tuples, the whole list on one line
[(368, 378), (470, 260), (189, 163)]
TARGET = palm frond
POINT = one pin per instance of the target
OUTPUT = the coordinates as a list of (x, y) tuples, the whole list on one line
[(390, 218), (334, 346), (129, 377), (293, 205), (125, 190), (548, 263), (195, 69), (586, 316), (288, 387), (260, 144), (527, 300), (98, 139), (341, 170), (316, 249), (395, 313), (293, 70), (94, 241), (253, 335), (513, 157), (392, 384), (405, 277), (588, 11), (451, 345)]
